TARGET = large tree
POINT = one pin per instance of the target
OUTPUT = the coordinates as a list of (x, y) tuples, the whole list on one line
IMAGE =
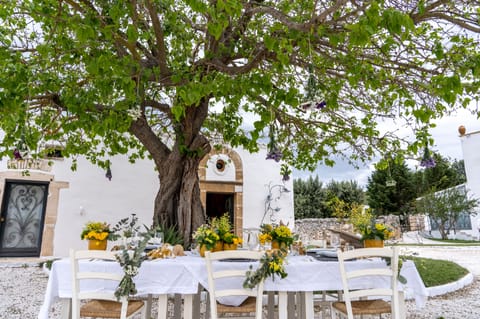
[(103, 77)]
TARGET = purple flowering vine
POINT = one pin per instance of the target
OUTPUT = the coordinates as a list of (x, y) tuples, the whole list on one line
[(427, 160)]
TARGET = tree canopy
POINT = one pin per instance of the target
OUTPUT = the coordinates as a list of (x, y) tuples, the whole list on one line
[(163, 77)]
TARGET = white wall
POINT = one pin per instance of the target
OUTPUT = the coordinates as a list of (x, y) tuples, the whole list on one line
[(258, 173), (92, 197), (471, 156)]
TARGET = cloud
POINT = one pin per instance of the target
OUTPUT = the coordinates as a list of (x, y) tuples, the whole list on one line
[(447, 144)]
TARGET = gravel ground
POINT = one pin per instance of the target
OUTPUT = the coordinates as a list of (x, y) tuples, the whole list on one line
[(22, 287)]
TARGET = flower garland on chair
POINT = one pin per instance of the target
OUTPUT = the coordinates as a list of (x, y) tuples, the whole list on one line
[(130, 261), (271, 264)]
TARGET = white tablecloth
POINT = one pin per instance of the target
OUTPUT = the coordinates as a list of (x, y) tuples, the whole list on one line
[(183, 274)]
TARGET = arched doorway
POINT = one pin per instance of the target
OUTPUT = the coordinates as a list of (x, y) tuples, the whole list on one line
[(221, 186)]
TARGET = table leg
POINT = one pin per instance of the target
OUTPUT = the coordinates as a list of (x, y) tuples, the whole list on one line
[(291, 305), (271, 305), (187, 306), (66, 306), (282, 305), (148, 306), (162, 306), (308, 305), (177, 306)]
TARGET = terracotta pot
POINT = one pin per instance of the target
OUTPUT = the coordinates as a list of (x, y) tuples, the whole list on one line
[(94, 244), (229, 246), (373, 243)]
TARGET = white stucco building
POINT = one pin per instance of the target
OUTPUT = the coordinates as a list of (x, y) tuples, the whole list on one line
[(470, 142), (45, 208)]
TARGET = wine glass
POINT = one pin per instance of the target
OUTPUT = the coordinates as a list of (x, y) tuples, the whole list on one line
[(158, 238), (335, 240)]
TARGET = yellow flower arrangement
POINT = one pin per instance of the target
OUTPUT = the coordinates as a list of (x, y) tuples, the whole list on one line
[(205, 235), (376, 231), (271, 264), (264, 238), (280, 233), (230, 238), (96, 231)]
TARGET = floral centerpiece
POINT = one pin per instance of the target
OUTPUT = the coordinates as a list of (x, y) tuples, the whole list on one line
[(277, 234), (377, 231), (206, 236), (222, 225), (216, 234), (97, 233), (231, 241), (271, 264)]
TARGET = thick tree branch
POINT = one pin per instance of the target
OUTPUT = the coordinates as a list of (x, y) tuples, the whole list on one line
[(161, 48)]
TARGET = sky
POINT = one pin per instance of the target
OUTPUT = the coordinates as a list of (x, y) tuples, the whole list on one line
[(447, 144)]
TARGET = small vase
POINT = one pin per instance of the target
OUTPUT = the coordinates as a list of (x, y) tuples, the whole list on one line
[(373, 243), (229, 246), (94, 244)]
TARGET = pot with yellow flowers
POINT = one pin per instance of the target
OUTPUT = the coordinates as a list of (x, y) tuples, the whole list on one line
[(280, 236), (231, 241), (374, 234), (206, 238), (97, 234)]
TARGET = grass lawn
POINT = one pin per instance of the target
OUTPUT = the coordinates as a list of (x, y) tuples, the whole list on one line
[(436, 272)]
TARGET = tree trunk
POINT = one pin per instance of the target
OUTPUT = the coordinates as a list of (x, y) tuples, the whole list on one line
[(178, 200)]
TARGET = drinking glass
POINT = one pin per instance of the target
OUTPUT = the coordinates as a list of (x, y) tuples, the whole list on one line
[(252, 239), (335, 240), (158, 238)]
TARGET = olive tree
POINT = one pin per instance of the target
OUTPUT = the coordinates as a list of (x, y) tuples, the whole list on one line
[(444, 207), (162, 77)]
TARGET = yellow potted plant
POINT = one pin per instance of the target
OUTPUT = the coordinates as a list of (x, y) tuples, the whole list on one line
[(206, 238), (280, 235), (231, 241), (374, 234), (97, 234)]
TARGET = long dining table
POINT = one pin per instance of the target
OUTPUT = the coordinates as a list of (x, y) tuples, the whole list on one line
[(184, 275)]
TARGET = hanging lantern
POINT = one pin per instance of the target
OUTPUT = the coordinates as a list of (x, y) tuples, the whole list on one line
[(390, 182)]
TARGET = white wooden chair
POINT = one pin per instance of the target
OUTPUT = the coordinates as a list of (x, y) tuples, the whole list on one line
[(366, 301), (99, 304), (253, 304)]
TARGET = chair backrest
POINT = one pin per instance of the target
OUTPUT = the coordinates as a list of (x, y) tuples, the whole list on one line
[(239, 274), (389, 274), (85, 276)]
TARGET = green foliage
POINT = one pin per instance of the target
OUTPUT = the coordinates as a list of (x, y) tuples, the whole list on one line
[(445, 174), (396, 199), (308, 198), (172, 235), (313, 200), (162, 77)]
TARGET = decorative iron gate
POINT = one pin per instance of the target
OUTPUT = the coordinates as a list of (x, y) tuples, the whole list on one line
[(22, 218)]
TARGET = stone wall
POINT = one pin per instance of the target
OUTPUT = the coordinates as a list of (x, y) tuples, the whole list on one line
[(316, 228)]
